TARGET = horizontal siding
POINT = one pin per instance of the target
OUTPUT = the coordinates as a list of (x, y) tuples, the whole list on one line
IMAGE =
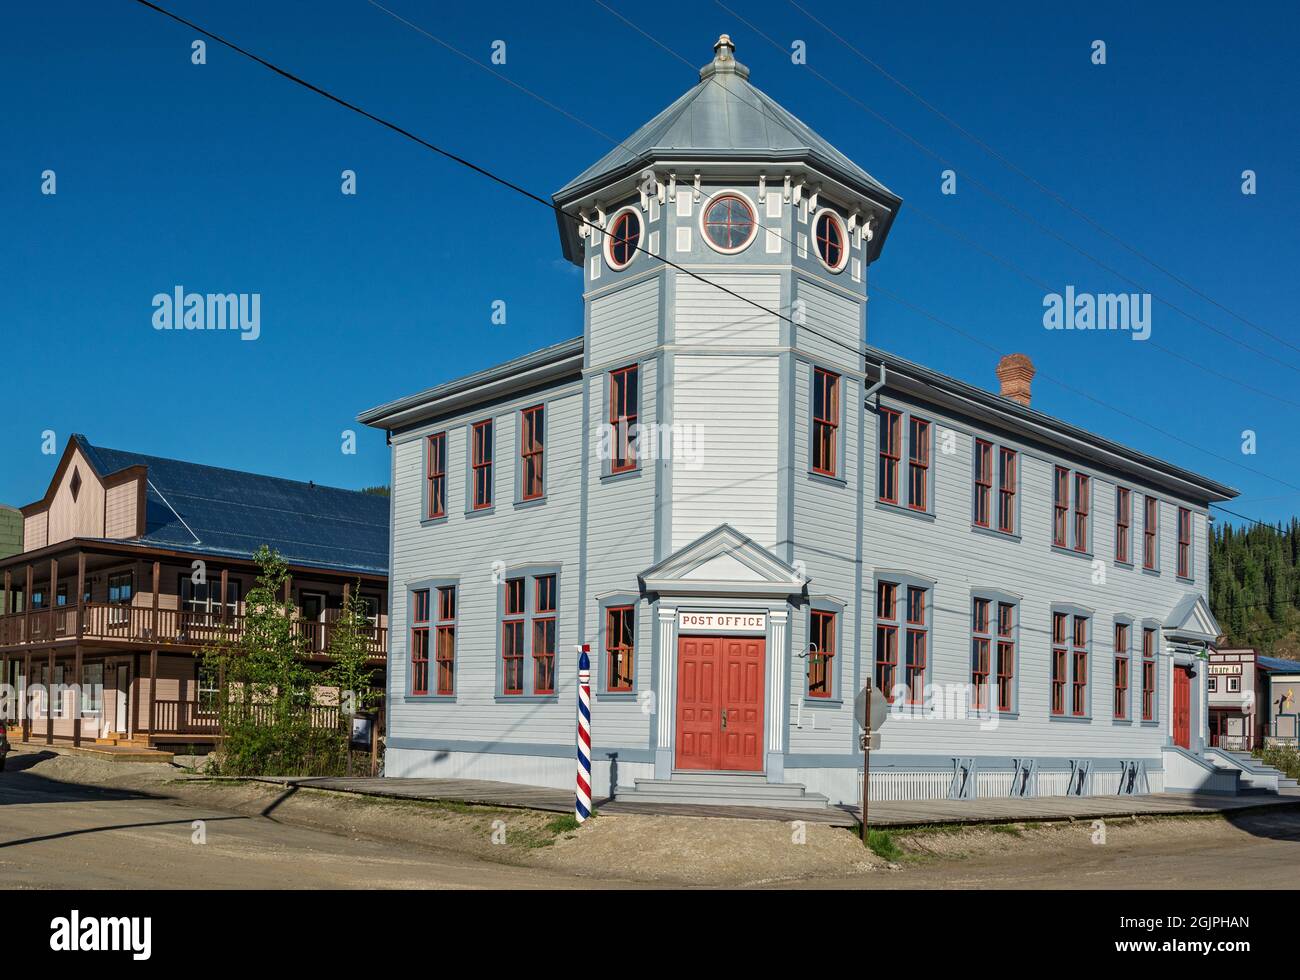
[(706, 316), (624, 322)]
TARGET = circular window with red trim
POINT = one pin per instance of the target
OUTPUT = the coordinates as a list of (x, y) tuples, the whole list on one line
[(728, 222), (623, 239), (832, 240)]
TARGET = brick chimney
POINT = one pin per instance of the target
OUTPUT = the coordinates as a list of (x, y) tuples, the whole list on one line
[(1016, 371)]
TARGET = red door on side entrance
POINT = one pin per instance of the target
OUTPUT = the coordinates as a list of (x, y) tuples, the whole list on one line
[(1183, 707), (720, 703)]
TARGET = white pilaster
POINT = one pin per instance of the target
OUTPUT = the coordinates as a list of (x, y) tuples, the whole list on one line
[(777, 675), (666, 695)]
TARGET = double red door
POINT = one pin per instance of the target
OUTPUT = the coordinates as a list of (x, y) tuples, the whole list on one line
[(720, 703), (1183, 707)]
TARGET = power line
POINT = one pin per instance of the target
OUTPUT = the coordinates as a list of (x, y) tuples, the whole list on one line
[(1039, 184)]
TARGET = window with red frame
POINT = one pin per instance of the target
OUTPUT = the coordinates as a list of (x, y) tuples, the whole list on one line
[(623, 415), (444, 647), (624, 235), (983, 483), (918, 464), (436, 473), (981, 647), (512, 638), (918, 638), (729, 222), (532, 429), (821, 653), (891, 424), (830, 241), (1060, 661), (826, 422), (1061, 507), (1184, 543), (1007, 477), (1079, 662), (1082, 507), (1148, 675), (1006, 647), (1123, 523), (420, 641), (620, 642), (886, 638), (481, 462), (1121, 671), (1150, 532), (544, 634)]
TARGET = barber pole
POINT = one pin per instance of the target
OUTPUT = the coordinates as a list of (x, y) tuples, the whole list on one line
[(582, 805)]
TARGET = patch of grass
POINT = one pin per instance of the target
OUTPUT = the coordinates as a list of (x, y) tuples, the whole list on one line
[(1007, 828), (883, 844), (566, 823)]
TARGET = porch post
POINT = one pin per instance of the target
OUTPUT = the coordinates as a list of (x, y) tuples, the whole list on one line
[(666, 695), (27, 606), (157, 577), (777, 673), (78, 696), (49, 698), (81, 591), (27, 714), (52, 599), (6, 604), (153, 689), (225, 579)]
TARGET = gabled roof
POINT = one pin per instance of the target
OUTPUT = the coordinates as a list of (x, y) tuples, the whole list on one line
[(210, 510), (1192, 619), (723, 562), (1278, 665)]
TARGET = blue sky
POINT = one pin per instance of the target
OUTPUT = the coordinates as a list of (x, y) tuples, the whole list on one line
[(225, 178)]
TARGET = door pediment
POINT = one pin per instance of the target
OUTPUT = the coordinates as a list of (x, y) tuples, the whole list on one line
[(1192, 620), (723, 562)]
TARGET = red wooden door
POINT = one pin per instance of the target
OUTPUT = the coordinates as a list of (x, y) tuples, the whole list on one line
[(698, 721), (720, 703), (1183, 707)]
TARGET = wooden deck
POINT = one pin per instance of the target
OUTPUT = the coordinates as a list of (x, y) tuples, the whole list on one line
[(883, 814)]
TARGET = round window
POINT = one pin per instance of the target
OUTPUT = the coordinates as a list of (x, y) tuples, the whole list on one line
[(623, 239), (729, 223), (832, 244)]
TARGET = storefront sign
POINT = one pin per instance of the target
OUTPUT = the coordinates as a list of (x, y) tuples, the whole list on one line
[(1224, 669), (708, 622)]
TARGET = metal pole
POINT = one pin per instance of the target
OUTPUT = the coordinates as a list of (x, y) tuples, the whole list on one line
[(866, 764)]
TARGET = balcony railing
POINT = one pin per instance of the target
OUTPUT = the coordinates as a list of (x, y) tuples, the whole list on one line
[(104, 621), (192, 718)]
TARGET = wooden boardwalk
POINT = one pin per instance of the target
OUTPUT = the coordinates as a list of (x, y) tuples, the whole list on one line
[(987, 810)]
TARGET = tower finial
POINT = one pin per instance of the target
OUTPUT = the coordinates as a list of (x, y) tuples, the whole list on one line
[(724, 49), (724, 60)]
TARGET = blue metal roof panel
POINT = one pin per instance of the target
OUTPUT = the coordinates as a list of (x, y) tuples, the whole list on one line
[(209, 509)]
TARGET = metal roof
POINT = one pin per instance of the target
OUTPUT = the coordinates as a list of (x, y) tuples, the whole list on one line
[(723, 117), (1278, 664), (211, 510)]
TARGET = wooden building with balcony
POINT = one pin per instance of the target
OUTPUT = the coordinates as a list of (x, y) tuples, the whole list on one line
[(131, 565)]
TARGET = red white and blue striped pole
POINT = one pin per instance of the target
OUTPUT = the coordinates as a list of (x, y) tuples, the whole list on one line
[(582, 805)]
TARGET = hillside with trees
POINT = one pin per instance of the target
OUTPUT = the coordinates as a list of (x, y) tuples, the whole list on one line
[(1255, 586)]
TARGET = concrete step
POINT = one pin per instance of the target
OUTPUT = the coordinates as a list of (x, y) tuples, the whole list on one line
[(723, 790)]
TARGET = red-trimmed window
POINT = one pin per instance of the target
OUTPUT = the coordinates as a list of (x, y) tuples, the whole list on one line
[(624, 235), (1006, 655), (620, 641), (886, 638), (1079, 660), (983, 482), (891, 425), (532, 428), (1150, 532), (1184, 543), (1007, 477), (981, 647), (826, 422), (1148, 675), (420, 641), (544, 634), (918, 464), (1061, 507), (829, 233), (512, 638), (444, 648), (1123, 523), (481, 461), (436, 474), (1121, 671), (1060, 661), (623, 415), (1082, 505), (729, 223), (918, 640), (821, 653)]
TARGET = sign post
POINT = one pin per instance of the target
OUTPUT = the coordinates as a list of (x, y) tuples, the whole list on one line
[(582, 802), (869, 702)]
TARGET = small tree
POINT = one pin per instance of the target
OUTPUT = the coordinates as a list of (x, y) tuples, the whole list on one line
[(350, 669)]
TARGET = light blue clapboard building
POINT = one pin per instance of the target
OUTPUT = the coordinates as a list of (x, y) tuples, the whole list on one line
[(749, 514)]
